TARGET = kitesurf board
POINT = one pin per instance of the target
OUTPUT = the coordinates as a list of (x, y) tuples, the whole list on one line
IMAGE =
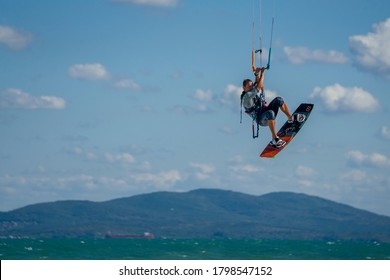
[(288, 131)]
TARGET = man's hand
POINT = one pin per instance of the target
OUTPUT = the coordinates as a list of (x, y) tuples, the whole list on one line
[(258, 70)]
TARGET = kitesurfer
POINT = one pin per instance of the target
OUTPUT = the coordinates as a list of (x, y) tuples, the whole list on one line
[(256, 106)]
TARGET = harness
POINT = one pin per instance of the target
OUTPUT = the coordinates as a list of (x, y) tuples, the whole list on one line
[(254, 112)]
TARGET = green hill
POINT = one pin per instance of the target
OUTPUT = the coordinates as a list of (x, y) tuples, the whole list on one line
[(203, 213)]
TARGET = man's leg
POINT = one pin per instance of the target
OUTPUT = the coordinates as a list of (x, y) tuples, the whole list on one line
[(277, 103), (285, 110), (272, 127), (267, 118), (276, 141)]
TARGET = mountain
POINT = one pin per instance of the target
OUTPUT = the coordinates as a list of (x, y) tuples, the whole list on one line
[(202, 213)]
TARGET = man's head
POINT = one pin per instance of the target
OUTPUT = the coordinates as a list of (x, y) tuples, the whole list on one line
[(247, 85)]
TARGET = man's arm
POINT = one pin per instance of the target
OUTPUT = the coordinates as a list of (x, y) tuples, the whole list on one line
[(260, 78)]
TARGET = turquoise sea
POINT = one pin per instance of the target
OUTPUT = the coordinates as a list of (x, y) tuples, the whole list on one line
[(189, 249)]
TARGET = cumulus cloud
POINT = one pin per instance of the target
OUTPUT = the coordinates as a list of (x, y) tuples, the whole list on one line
[(124, 158), (14, 39), (188, 110), (269, 95), (108, 157), (371, 51), (304, 171), (357, 176), (16, 98), (128, 84), (203, 95), (204, 167), (203, 170), (385, 132), (231, 96), (94, 71), (163, 179), (336, 98), (44, 182), (300, 55), (204, 104), (161, 3), (358, 158), (77, 151), (84, 180), (306, 183), (248, 168)]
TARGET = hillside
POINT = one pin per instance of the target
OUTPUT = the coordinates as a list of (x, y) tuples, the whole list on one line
[(203, 213)]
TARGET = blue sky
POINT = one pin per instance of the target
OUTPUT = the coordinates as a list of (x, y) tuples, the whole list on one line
[(108, 98)]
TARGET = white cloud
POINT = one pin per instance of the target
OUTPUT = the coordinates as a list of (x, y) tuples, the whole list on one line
[(385, 132), (14, 39), (18, 191), (203, 95), (163, 179), (203, 170), (231, 96), (128, 84), (84, 154), (358, 176), (338, 98), (204, 104), (379, 160), (124, 158), (86, 181), (357, 158), (108, 157), (203, 108), (77, 151), (304, 171), (16, 98), (372, 50), (162, 3), (270, 95), (187, 110), (300, 55), (113, 182), (204, 167), (248, 168), (306, 183), (44, 182), (93, 71)]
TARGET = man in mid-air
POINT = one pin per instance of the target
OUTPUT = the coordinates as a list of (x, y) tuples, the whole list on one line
[(256, 106)]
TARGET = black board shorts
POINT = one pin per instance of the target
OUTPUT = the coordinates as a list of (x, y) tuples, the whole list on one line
[(270, 112)]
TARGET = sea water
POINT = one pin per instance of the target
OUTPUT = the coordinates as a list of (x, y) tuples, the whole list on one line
[(190, 249)]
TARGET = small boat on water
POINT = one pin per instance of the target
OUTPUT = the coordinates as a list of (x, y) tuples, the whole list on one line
[(146, 235)]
